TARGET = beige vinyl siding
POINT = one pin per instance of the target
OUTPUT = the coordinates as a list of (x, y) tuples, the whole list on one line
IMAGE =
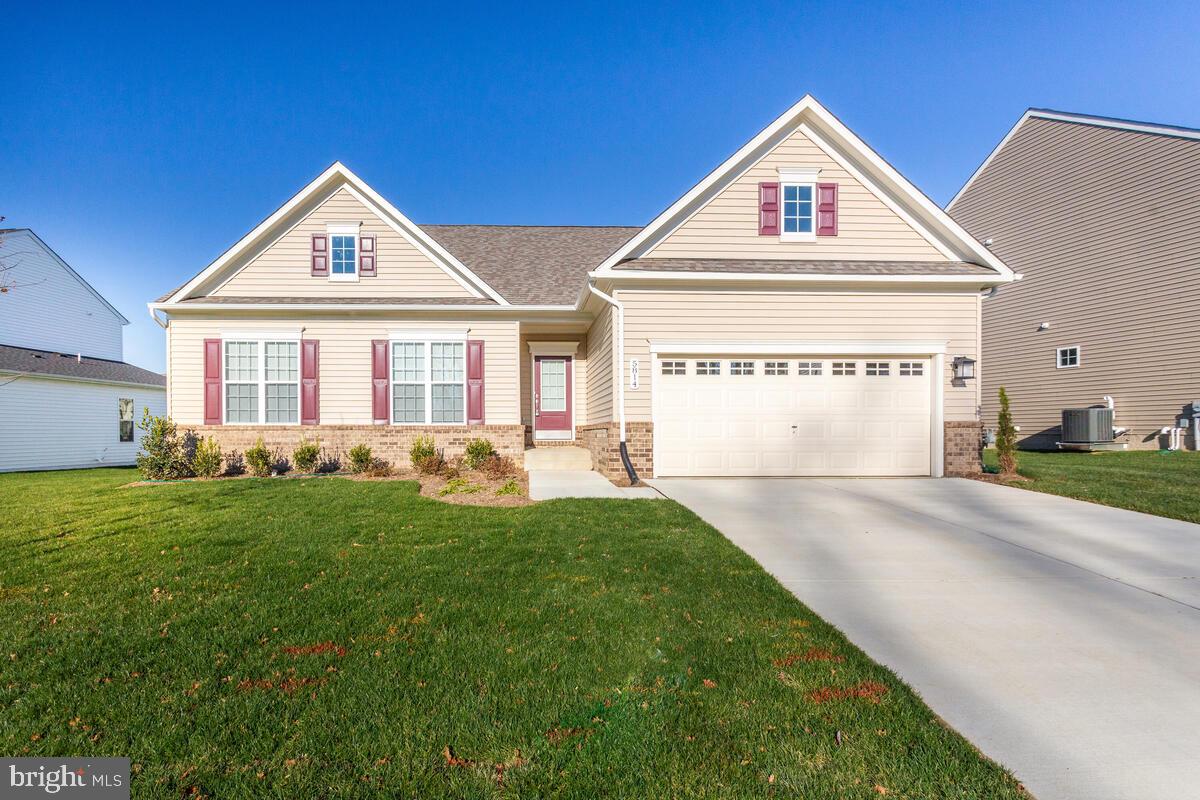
[(1105, 226), (579, 398), (345, 376), (728, 225), (283, 269), (949, 317), (600, 383)]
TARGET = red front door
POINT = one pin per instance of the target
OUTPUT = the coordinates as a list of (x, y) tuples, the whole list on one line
[(552, 396)]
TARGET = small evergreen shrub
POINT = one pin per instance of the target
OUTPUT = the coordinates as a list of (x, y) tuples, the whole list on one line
[(509, 488), (235, 464), (422, 448), (478, 451), (328, 463), (306, 455), (360, 458), (162, 456), (206, 461), (260, 460), (1006, 437)]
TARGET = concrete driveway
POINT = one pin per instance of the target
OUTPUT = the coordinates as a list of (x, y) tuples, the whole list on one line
[(1061, 637)]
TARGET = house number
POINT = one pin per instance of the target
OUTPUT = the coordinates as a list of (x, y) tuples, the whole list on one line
[(634, 373)]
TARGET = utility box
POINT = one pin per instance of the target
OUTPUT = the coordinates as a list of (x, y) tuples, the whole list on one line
[(1087, 425)]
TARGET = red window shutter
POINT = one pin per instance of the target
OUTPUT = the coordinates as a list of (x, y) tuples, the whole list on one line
[(768, 209), (474, 381), (320, 255), (827, 209), (379, 381), (366, 256), (212, 381), (310, 386)]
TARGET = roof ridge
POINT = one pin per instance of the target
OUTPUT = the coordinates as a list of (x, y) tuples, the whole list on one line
[(1098, 120)]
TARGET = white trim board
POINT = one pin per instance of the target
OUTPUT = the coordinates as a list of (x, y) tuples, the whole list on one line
[(799, 347), (338, 176), (883, 179)]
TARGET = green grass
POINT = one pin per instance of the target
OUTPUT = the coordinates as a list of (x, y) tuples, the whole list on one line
[(623, 648), (1140, 480)]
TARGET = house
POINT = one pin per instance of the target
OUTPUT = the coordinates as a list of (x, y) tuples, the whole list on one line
[(797, 312), (1102, 218), (67, 397)]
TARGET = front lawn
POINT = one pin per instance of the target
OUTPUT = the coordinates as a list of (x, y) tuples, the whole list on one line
[(336, 638), (1166, 484)]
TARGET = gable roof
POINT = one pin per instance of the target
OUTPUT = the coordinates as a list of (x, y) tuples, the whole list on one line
[(336, 176), (841, 144), (532, 264), (59, 260), (68, 365), (1116, 123)]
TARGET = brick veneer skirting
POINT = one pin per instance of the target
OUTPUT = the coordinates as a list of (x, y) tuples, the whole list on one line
[(389, 442), (604, 441), (963, 441)]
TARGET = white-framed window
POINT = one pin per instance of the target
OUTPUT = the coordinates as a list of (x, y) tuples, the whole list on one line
[(775, 368), (808, 367), (708, 367), (799, 213), (878, 369), (125, 419), (343, 252), (741, 367), (674, 368), (262, 382), (844, 368), (1067, 357), (912, 369), (429, 382)]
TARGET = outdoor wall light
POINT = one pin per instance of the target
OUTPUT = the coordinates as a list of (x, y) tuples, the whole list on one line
[(964, 368)]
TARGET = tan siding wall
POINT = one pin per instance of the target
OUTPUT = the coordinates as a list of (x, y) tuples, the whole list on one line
[(345, 364), (1105, 226), (580, 375), (282, 270), (728, 226), (600, 384), (932, 317)]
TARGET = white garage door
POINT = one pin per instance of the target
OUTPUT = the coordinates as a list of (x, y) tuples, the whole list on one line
[(773, 415)]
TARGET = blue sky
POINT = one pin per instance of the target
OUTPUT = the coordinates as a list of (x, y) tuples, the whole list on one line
[(141, 142)]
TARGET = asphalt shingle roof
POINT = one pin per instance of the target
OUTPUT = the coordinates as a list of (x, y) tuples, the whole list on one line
[(68, 365), (805, 267)]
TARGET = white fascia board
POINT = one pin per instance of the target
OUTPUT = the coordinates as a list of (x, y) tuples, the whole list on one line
[(74, 379), (645, 276), (390, 214), (899, 347)]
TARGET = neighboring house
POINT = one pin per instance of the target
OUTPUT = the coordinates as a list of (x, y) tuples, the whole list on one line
[(795, 313), (1102, 217), (66, 397)]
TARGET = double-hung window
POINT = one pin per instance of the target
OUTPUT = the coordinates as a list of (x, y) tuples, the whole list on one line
[(429, 380), (343, 252), (125, 419), (262, 382)]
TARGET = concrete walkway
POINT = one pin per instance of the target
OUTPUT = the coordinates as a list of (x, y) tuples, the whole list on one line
[(1061, 637), (552, 484)]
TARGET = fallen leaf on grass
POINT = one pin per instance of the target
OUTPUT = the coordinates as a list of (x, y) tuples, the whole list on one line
[(867, 690), (315, 649), (709, 684)]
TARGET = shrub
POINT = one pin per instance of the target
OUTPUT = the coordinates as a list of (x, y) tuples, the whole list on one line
[(206, 462), (306, 454), (279, 463), (422, 448), (161, 456), (509, 488), (260, 460), (1006, 437), (431, 464), (459, 486), (329, 462), (497, 467), (235, 464), (360, 458), (378, 468), (478, 451)]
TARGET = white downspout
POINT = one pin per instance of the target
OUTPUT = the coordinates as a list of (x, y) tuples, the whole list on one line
[(620, 351), (154, 316)]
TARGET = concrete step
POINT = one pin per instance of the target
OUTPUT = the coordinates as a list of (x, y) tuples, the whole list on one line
[(557, 458)]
